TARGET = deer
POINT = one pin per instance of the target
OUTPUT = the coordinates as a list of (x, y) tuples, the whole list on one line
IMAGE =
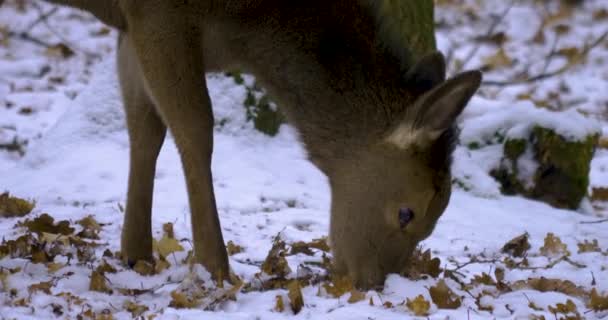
[(361, 81)]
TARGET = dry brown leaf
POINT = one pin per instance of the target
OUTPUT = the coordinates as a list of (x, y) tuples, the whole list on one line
[(296, 300), (422, 263), (59, 50), (600, 14), (419, 306), (233, 248), (554, 246), (279, 305), (46, 223), (54, 267), (600, 193), (597, 302), (144, 268), (305, 247), (564, 308), (444, 297), (14, 207), (356, 296), (338, 286), (105, 267), (518, 246), (484, 278), (589, 246), (165, 246), (180, 301), (275, 263), (498, 60), (42, 286), (543, 284), (160, 265), (98, 283), (135, 309)]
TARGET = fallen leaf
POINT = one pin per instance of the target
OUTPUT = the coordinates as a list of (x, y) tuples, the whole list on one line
[(356, 296), (14, 207), (42, 286), (444, 297), (275, 263), (554, 246), (518, 246), (98, 283), (498, 60), (135, 309), (338, 286), (144, 268), (46, 223), (543, 284), (166, 246), (180, 301), (597, 302), (279, 305), (233, 248), (422, 263), (419, 306), (589, 246), (296, 300)]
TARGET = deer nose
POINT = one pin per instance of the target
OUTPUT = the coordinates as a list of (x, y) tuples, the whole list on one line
[(406, 215)]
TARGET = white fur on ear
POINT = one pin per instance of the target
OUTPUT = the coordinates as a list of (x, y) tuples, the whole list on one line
[(435, 111), (405, 136)]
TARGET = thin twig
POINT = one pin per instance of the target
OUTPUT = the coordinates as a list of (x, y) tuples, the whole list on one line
[(586, 49), (593, 222), (488, 34)]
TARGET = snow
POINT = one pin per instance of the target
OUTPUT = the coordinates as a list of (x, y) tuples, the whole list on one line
[(76, 164)]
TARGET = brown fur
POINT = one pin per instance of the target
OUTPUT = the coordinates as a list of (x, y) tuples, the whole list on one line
[(383, 138)]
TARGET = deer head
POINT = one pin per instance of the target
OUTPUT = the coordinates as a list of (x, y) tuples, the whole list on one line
[(388, 196)]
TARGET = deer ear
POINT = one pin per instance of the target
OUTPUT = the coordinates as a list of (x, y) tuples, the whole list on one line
[(436, 110), (427, 73)]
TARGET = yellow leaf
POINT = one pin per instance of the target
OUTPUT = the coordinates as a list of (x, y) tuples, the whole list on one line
[(166, 246), (419, 306)]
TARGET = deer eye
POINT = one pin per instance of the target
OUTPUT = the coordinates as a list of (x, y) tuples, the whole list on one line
[(406, 215)]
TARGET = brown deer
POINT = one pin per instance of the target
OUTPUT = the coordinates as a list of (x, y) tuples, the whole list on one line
[(359, 79)]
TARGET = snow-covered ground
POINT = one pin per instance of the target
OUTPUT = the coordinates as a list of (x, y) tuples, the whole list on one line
[(75, 164)]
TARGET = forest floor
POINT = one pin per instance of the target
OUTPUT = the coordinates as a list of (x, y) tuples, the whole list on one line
[(63, 144)]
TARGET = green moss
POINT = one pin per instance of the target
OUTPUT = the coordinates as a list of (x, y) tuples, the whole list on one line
[(265, 118), (514, 148), (237, 76), (563, 174), (474, 145)]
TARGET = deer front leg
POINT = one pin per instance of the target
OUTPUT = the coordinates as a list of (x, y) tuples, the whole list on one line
[(146, 136), (170, 55)]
